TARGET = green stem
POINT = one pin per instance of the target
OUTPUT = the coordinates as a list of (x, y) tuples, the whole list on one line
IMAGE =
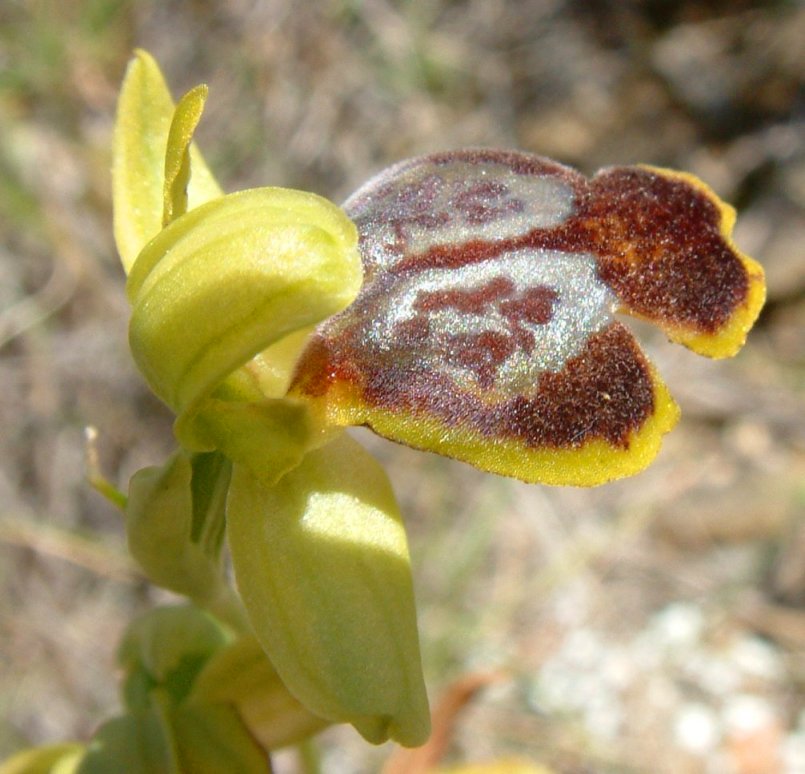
[(96, 479), (104, 487), (226, 606), (162, 705)]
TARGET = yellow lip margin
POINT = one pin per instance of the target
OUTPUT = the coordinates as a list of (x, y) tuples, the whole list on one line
[(593, 462)]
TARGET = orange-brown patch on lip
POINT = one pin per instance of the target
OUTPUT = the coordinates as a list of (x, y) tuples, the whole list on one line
[(662, 249), (323, 364)]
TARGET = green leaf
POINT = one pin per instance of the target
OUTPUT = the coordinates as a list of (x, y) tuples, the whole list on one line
[(135, 743), (229, 279), (241, 675), (144, 114), (322, 565)]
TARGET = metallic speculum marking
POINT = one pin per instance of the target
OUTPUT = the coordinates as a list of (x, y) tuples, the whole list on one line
[(406, 211), (499, 323), (495, 321)]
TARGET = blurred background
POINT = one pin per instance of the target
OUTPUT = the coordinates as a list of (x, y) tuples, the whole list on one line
[(655, 624)]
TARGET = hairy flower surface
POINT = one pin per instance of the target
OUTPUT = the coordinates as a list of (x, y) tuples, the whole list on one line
[(485, 329)]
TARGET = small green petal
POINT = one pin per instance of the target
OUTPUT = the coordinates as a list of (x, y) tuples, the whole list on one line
[(269, 437), (322, 564), (177, 154), (272, 369), (228, 279), (144, 114)]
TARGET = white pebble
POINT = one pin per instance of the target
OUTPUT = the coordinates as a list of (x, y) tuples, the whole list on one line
[(756, 658), (697, 728), (792, 752), (678, 625), (745, 713)]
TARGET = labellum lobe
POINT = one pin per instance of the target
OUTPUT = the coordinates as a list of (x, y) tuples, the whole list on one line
[(485, 327)]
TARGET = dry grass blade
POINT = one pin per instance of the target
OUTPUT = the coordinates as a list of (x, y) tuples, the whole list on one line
[(80, 551)]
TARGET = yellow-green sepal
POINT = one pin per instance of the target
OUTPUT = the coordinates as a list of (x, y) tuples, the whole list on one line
[(308, 553), (137, 743), (166, 648), (240, 675), (144, 115), (175, 523), (174, 739), (212, 738), (167, 727), (53, 759), (227, 280)]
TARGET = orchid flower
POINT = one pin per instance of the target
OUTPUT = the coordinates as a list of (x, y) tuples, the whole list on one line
[(462, 303)]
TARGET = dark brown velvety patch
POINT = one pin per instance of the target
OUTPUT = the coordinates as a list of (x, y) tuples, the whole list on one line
[(605, 392), (660, 248)]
